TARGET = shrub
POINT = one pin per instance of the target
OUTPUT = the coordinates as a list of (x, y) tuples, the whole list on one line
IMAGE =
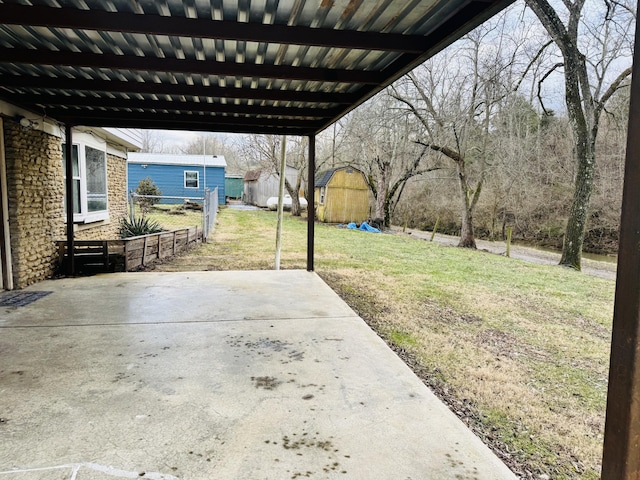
[(147, 187), (140, 226)]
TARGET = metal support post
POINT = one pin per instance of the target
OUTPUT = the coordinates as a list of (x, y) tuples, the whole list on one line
[(621, 457), (68, 150), (311, 209)]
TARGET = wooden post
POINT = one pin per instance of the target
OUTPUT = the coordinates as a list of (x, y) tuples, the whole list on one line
[(509, 232), (144, 249), (621, 453), (435, 229), (105, 253)]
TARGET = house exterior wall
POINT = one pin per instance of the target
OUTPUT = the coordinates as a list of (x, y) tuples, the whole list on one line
[(36, 189), (346, 198), (36, 211), (170, 180)]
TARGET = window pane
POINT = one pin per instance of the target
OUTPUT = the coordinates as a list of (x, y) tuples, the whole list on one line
[(76, 177), (96, 169), (76, 196), (191, 179)]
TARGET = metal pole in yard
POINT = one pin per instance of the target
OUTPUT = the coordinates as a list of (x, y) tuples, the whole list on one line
[(283, 166)]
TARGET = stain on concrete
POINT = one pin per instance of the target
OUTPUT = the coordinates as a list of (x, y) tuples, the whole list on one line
[(267, 383), (315, 449), (265, 347)]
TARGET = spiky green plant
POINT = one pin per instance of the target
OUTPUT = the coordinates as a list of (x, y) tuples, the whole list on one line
[(138, 226)]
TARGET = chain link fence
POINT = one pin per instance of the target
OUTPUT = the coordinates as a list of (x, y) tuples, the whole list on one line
[(174, 212)]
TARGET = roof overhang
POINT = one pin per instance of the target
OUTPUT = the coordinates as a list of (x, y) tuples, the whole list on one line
[(289, 67)]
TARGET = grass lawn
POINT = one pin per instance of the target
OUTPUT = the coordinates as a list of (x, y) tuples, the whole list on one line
[(519, 351), (174, 217)]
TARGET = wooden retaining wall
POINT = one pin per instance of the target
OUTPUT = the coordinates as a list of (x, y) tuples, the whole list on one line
[(134, 252), (146, 249)]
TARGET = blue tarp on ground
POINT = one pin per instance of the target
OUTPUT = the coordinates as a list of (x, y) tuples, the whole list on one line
[(364, 226)]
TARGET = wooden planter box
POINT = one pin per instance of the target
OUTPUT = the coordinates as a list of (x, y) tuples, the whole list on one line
[(128, 253)]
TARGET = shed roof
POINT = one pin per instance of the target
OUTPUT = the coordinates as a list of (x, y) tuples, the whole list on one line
[(173, 159), (282, 67), (323, 178), (252, 175)]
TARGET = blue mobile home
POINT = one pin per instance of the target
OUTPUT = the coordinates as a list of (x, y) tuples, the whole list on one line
[(180, 176)]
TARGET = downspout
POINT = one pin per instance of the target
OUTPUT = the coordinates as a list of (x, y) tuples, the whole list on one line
[(68, 149), (5, 242)]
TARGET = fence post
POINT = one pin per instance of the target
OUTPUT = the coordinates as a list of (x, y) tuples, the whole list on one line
[(132, 209), (206, 207), (435, 229)]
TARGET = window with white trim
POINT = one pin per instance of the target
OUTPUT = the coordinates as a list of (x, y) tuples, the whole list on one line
[(191, 179), (90, 202)]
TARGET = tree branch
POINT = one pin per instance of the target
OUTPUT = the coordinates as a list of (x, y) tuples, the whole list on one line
[(613, 88), (541, 81)]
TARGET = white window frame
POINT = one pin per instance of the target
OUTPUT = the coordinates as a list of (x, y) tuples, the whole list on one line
[(197, 179), (323, 192), (84, 216)]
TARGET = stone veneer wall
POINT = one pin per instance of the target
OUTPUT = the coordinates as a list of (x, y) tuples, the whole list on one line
[(36, 202), (36, 210), (117, 198)]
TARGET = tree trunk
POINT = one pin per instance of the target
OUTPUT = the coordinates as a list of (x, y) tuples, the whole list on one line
[(295, 196), (578, 215), (467, 237), (382, 200)]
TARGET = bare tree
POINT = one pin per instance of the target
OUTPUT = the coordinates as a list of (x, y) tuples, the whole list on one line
[(591, 42), (454, 97), (152, 141), (382, 147), (211, 144)]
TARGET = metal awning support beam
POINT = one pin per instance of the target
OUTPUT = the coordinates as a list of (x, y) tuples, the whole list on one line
[(68, 151), (621, 457), (203, 28), (311, 208), (197, 123), (221, 127), (117, 86), (189, 66), (472, 14), (51, 102)]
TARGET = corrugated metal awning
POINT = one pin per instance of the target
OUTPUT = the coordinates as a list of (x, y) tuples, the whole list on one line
[(268, 66)]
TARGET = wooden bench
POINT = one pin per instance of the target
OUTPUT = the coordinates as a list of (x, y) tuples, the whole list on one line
[(88, 255)]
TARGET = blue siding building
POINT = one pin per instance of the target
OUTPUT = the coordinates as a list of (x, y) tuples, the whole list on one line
[(181, 176)]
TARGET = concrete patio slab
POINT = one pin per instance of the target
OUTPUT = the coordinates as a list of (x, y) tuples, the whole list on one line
[(215, 375)]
